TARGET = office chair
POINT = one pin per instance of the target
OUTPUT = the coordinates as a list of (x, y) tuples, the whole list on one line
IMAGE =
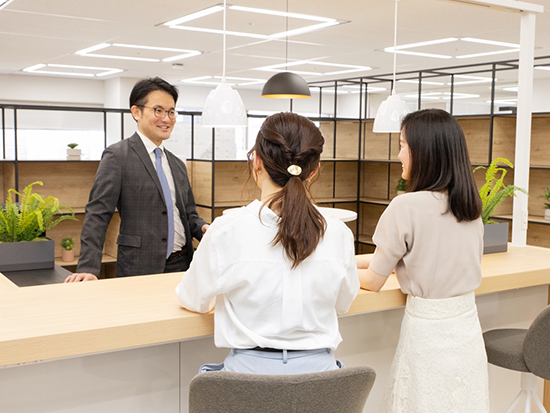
[(527, 351), (336, 391)]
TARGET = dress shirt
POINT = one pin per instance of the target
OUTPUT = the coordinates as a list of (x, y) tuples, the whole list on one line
[(179, 236), (261, 301)]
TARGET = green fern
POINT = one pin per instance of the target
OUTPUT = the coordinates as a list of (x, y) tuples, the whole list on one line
[(494, 191), (546, 197), (32, 217)]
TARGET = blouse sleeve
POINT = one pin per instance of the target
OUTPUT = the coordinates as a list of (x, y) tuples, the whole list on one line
[(391, 238), (199, 286), (350, 284)]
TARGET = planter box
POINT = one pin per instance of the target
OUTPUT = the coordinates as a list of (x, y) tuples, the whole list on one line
[(495, 238), (34, 255)]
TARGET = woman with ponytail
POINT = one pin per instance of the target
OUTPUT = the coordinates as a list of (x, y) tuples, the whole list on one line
[(433, 238), (278, 270)]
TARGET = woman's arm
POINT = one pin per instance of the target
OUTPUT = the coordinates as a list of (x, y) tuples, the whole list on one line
[(370, 280)]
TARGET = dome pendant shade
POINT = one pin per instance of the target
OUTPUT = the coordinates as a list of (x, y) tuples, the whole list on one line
[(224, 108), (390, 114), (286, 85)]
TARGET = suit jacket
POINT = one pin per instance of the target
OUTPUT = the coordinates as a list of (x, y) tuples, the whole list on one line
[(126, 179)]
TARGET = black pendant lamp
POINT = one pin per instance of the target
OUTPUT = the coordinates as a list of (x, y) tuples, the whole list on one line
[(286, 85)]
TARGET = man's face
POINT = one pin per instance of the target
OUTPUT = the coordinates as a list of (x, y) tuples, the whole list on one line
[(156, 129)]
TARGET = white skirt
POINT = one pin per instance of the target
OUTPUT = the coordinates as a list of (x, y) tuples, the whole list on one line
[(440, 364)]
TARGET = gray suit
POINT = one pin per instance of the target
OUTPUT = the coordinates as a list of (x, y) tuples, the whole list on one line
[(126, 179)]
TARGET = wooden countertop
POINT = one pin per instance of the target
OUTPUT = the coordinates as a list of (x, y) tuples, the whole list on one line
[(63, 320)]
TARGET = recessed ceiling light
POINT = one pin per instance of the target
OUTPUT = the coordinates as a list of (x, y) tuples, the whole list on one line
[(428, 43), (436, 56), (203, 80), (4, 3), (491, 42), (247, 80), (504, 101), (424, 82), (475, 79), (182, 53), (325, 22), (467, 56), (511, 89), (542, 67), (282, 67), (103, 71)]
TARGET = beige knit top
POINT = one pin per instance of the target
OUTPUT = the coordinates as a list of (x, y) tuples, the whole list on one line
[(434, 256)]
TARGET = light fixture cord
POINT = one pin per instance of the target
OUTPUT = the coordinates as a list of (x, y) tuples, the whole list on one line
[(286, 60), (394, 46), (224, 18)]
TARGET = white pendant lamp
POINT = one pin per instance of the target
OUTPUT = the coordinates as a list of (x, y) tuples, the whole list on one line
[(224, 107), (391, 111)]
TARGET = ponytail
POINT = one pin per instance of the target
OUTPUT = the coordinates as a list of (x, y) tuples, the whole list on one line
[(290, 148)]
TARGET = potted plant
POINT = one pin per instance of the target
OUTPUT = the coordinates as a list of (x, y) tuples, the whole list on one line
[(22, 246), (401, 187), (546, 197), (73, 154), (493, 193), (67, 252)]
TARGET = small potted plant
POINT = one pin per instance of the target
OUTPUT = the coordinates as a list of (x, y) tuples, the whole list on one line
[(401, 187), (67, 254), (546, 197), (493, 193), (73, 154)]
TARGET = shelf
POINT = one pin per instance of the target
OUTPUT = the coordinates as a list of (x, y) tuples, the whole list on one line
[(335, 200), (376, 201), (338, 159), (382, 160), (365, 239), (533, 219), (105, 259)]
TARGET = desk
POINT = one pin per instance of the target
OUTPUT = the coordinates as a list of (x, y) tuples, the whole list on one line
[(163, 345)]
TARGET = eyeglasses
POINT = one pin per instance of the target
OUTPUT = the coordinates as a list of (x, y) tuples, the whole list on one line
[(160, 112)]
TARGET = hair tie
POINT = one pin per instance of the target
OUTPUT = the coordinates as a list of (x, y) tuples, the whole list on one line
[(294, 170)]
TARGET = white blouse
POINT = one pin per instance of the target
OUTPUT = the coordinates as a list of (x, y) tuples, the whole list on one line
[(261, 301)]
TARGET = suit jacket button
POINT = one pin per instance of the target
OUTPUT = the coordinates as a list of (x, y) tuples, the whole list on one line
[(163, 240), (164, 213)]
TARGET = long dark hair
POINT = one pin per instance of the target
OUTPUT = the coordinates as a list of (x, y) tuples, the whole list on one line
[(440, 160), (287, 139)]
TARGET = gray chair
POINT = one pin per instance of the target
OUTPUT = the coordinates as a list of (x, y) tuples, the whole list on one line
[(527, 351), (345, 390)]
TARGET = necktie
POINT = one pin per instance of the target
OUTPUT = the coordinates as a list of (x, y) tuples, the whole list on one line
[(167, 199)]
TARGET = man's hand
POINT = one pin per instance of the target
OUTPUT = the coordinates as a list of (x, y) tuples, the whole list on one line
[(204, 228), (77, 277)]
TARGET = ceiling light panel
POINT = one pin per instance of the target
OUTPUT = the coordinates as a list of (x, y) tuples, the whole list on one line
[(134, 52), (260, 22), (72, 70), (433, 48), (282, 67)]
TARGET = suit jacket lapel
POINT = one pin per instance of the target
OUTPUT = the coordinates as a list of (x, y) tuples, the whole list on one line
[(139, 148)]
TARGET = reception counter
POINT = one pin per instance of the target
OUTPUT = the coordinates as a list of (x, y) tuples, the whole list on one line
[(60, 321)]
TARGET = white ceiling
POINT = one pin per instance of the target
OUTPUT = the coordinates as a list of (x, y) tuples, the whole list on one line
[(50, 32)]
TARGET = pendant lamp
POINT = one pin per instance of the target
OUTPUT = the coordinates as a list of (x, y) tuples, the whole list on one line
[(286, 85), (224, 107), (392, 111)]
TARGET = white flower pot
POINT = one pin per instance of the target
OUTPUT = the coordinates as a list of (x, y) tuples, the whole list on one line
[(401, 192), (74, 152), (547, 214)]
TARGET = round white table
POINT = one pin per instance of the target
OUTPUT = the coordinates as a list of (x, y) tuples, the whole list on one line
[(344, 215)]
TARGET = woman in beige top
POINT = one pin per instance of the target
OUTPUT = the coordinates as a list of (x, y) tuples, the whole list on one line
[(433, 238)]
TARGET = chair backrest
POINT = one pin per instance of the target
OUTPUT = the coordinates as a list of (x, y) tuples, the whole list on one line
[(344, 390), (536, 346)]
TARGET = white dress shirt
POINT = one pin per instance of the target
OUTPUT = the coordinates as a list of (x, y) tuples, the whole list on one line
[(260, 300), (179, 236)]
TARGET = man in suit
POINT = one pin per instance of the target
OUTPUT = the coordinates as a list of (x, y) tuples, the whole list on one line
[(150, 188)]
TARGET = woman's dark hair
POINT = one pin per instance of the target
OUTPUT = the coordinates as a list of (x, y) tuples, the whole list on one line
[(440, 160), (287, 139), (138, 96)]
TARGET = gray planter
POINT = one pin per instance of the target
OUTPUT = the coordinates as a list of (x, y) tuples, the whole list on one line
[(495, 238), (34, 255)]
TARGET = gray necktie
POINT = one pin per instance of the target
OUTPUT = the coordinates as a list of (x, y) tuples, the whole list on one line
[(167, 199)]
